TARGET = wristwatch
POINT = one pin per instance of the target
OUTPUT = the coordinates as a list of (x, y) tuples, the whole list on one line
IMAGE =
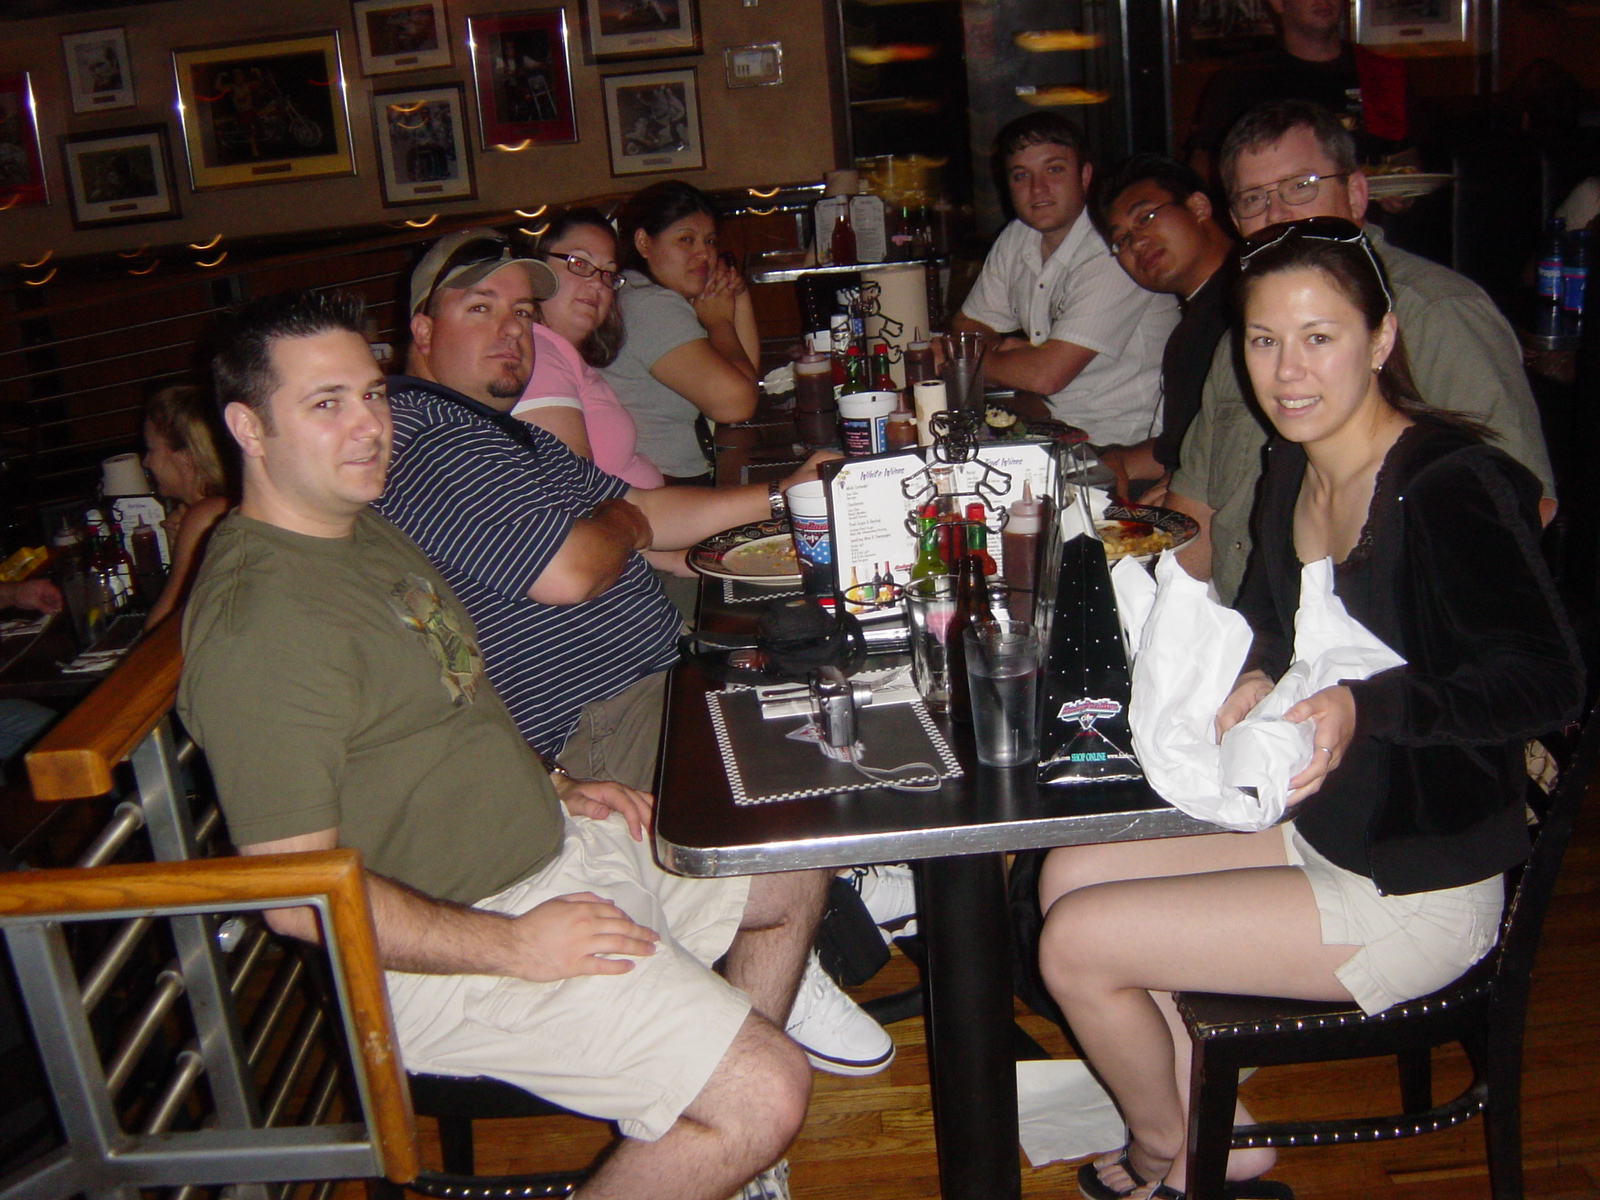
[(776, 501)]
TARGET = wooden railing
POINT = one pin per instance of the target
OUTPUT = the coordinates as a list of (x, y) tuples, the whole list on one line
[(75, 760), (238, 1021), (80, 354)]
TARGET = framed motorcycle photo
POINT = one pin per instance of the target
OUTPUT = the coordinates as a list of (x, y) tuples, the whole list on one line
[(422, 145), (264, 111), (522, 78), (653, 122)]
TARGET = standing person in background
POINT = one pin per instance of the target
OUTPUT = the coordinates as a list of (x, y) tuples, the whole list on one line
[(1312, 62), (1064, 320), (183, 456), (1161, 227), (691, 347)]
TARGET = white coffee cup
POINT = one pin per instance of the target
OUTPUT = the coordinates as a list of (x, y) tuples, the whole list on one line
[(122, 475)]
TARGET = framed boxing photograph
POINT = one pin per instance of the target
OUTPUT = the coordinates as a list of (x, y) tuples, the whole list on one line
[(120, 176), (523, 81), (653, 122), (422, 145), (264, 111)]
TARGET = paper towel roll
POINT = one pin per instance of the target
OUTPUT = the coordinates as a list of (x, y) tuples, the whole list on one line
[(902, 295), (121, 475), (929, 397)]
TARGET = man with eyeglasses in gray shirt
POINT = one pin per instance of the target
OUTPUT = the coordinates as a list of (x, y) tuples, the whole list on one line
[(1285, 161)]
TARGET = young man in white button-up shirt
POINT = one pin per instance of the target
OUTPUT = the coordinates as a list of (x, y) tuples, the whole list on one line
[(1065, 319)]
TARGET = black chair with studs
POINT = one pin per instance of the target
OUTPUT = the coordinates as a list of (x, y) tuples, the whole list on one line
[(1484, 1011), (455, 1103)]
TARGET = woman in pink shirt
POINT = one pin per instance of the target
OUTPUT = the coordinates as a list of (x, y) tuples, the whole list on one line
[(580, 330)]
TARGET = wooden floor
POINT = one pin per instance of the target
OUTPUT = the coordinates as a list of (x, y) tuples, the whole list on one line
[(874, 1137)]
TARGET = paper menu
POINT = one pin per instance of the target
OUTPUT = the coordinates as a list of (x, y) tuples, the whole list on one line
[(867, 509), (1029, 462)]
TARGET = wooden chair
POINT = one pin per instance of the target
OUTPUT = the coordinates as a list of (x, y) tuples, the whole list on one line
[(1484, 1011)]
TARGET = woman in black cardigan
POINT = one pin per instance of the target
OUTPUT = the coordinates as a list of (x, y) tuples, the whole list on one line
[(1388, 884)]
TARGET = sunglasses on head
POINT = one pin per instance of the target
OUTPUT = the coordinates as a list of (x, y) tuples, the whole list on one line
[(469, 254), (1316, 229)]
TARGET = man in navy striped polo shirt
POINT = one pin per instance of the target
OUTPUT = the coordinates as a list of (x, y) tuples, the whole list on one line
[(538, 543), (540, 547)]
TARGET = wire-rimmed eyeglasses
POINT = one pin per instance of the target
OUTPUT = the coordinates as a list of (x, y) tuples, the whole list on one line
[(1293, 190), (1136, 227)]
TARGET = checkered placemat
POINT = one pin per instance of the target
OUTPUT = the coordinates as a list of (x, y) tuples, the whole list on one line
[(765, 765)]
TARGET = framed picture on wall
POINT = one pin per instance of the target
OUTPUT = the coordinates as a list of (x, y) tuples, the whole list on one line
[(623, 29), (1222, 28), (119, 176), (264, 111), (1396, 22), (99, 73), (422, 145), (653, 122), (22, 180), (401, 35), (522, 78)]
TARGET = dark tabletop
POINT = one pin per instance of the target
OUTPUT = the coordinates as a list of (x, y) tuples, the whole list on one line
[(701, 831)]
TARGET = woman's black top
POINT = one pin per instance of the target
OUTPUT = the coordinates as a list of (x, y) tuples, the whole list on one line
[(1448, 573)]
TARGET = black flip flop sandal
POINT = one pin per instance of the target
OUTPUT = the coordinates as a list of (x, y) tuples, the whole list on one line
[(1090, 1186)]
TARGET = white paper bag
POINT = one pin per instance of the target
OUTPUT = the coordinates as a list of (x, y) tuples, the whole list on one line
[(1191, 650)]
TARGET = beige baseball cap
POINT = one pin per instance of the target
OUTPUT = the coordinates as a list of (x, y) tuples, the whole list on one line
[(461, 259)]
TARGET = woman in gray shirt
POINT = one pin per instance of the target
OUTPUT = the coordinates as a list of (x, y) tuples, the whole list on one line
[(691, 346)]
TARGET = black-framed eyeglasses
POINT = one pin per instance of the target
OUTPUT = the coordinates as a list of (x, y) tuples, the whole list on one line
[(471, 253), (1293, 190), (1137, 226), (584, 269), (1316, 229)]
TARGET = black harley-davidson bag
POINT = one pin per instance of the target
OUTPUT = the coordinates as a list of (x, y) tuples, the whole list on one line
[(1084, 735)]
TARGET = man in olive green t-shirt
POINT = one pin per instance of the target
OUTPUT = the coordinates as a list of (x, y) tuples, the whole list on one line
[(337, 688)]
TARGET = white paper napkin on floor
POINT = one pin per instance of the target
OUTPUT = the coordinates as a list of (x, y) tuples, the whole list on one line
[(1190, 650), (1063, 1112)]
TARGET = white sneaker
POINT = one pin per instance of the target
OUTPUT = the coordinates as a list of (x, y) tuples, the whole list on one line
[(890, 895), (831, 1028), (771, 1184)]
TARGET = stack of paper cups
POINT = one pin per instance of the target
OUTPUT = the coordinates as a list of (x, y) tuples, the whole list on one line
[(121, 475), (929, 397)]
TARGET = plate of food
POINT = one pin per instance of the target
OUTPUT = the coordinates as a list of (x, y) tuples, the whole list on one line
[(761, 553), (1005, 424), (1140, 532), (1399, 184)]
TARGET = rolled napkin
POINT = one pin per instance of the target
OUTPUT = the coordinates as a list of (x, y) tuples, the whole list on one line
[(1191, 649)]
